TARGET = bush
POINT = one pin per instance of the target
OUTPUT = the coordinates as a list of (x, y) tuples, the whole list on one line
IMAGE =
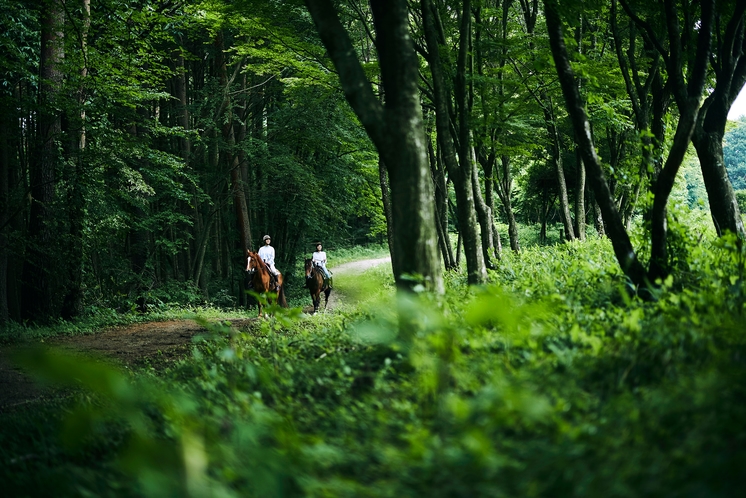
[(550, 381)]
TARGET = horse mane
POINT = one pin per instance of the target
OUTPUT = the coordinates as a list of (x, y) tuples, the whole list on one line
[(260, 261)]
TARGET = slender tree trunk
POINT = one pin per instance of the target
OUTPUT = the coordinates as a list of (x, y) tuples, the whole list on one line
[(580, 200), (229, 135), (73, 302), (457, 163), (484, 215), (386, 199), (6, 147), (551, 124), (204, 239), (620, 239), (709, 131), (459, 245), (441, 213), (488, 167), (487, 160), (688, 95), (598, 220), (477, 270), (183, 109), (505, 197), (39, 286), (723, 204), (396, 130)]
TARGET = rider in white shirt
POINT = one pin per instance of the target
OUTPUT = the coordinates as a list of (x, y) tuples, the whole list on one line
[(267, 253), (319, 259)]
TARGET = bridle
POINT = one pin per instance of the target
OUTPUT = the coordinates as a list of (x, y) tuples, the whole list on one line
[(253, 265), (312, 273)]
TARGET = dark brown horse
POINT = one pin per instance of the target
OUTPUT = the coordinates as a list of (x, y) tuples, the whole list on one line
[(315, 285), (261, 281)]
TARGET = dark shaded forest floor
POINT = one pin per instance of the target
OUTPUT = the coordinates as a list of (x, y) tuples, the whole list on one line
[(132, 346)]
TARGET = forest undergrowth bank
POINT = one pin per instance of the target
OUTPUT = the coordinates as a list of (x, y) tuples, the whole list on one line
[(173, 302), (553, 380)]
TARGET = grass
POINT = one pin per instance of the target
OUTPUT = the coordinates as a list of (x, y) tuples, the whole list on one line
[(342, 256), (550, 381), (98, 318)]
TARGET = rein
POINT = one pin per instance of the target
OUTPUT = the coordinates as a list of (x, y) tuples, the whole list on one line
[(312, 273), (260, 264)]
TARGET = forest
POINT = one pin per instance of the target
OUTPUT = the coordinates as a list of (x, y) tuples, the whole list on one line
[(556, 183)]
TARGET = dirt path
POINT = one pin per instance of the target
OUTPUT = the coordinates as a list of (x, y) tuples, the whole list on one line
[(131, 345), (349, 270)]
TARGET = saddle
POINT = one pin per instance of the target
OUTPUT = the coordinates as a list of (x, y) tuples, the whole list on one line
[(327, 280)]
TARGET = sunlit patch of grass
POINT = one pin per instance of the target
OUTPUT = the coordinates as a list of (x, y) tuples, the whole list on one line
[(342, 256)]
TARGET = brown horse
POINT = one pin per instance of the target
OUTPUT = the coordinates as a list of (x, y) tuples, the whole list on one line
[(315, 285), (261, 282)]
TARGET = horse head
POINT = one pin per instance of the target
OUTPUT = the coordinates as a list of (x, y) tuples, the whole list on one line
[(309, 269), (255, 262)]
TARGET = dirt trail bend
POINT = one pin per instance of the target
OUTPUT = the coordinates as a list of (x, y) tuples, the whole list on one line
[(349, 270), (360, 266)]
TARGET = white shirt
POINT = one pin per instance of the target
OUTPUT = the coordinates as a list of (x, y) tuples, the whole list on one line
[(267, 253), (319, 257)]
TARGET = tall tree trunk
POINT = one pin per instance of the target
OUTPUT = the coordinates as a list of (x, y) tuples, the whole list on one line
[(554, 136), (204, 239), (457, 162), (723, 204), (488, 167), (580, 200), (38, 293), (504, 191), (710, 128), (688, 94), (6, 146), (484, 215), (396, 130), (623, 249), (477, 271), (386, 199), (180, 88), (73, 302), (229, 135), (441, 208), (482, 157)]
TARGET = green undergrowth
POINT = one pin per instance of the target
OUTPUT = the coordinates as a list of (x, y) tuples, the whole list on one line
[(173, 302), (553, 380), (341, 256)]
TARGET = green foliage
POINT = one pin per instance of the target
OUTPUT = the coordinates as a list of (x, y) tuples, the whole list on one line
[(734, 154), (741, 198), (19, 44), (551, 381), (345, 255)]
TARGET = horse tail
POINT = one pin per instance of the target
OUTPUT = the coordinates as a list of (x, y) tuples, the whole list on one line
[(281, 297)]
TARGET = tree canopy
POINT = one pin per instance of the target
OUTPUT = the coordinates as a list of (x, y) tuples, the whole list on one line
[(151, 143)]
